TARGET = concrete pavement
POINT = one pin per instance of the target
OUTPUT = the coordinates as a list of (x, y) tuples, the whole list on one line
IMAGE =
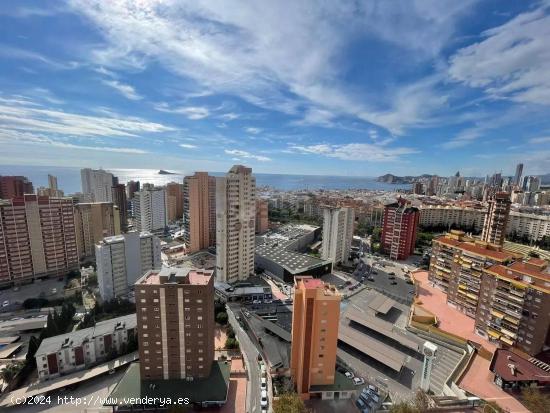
[(250, 355)]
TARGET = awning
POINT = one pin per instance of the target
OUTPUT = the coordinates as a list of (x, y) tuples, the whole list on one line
[(493, 334), (497, 313), (506, 340)]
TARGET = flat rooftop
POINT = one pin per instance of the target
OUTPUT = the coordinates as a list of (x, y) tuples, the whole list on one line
[(176, 276), (291, 260), (381, 304), (212, 389)]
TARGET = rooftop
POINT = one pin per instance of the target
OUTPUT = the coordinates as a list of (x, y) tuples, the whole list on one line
[(341, 383), (512, 367), (212, 389), (77, 338), (476, 248), (176, 276), (517, 273)]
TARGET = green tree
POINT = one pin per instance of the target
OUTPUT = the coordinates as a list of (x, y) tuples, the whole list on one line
[(231, 343), (289, 403), (534, 400), (8, 373), (221, 318), (376, 235)]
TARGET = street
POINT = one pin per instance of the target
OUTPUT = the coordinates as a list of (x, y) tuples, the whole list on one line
[(250, 355)]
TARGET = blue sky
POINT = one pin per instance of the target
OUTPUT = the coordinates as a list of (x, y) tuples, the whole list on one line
[(313, 87)]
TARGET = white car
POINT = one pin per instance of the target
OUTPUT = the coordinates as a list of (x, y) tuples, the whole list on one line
[(263, 398), (263, 383), (358, 381), (349, 375), (5, 303)]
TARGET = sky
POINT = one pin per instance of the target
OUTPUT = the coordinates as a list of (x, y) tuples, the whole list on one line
[(358, 88)]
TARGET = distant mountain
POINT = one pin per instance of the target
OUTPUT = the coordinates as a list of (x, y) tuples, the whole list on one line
[(545, 179), (393, 179)]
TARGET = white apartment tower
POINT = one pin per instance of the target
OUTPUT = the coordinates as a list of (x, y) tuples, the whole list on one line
[(149, 207), (122, 259), (337, 234), (235, 224), (97, 183)]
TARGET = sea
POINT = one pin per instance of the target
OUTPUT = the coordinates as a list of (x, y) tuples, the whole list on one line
[(68, 179)]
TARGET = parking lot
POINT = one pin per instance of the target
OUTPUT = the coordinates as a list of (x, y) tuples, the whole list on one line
[(50, 288)]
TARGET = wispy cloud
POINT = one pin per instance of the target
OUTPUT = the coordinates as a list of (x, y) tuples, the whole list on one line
[(512, 61), (187, 146), (24, 115), (191, 112), (283, 56), (246, 155), (253, 131), (356, 151), (542, 139), (11, 52), (127, 90)]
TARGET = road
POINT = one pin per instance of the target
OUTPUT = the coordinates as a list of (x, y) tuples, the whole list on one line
[(250, 354)]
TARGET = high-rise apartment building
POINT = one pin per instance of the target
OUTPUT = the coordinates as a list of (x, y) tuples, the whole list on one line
[(132, 187), (199, 211), (52, 182), (37, 238), (509, 299), (337, 234), (315, 321), (456, 267), (52, 190), (399, 229), (93, 222), (262, 216), (13, 186), (515, 309), (496, 220), (174, 194), (98, 183), (122, 259), (417, 188), (175, 315), (235, 224), (120, 200), (531, 183), (518, 175), (149, 209)]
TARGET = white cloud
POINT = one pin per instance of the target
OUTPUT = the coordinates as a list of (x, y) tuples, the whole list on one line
[(356, 151), (229, 116), (128, 91), (283, 56), (10, 52), (187, 146), (464, 138), (191, 112), (247, 155), (253, 131), (543, 139), (512, 61), (38, 139), (22, 115)]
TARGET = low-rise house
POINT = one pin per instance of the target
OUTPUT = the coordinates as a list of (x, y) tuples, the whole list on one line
[(77, 350)]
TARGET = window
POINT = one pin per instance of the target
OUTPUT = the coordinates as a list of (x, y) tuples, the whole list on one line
[(143, 300), (199, 318), (144, 326), (155, 300)]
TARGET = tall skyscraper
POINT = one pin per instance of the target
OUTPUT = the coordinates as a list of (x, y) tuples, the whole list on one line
[(235, 224), (175, 310), (37, 238), (93, 222), (262, 216), (531, 183), (199, 211), (52, 182), (174, 193), (132, 187), (315, 321), (120, 200), (432, 186), (122, 259), (149, 208), (98, 183), (519, 173), (496, 220), (14, 186), (399, 229), (337, 234)]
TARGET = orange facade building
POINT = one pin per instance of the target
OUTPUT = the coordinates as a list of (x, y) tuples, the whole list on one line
[(199, 211), (315, 321)]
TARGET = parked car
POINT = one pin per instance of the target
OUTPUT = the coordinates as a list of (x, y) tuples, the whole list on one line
[(256, 302), (373, 388), (349, 375), (5, 303), (393, 282), (358, 381), (263, 383), (391, 277), (263, 398)]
